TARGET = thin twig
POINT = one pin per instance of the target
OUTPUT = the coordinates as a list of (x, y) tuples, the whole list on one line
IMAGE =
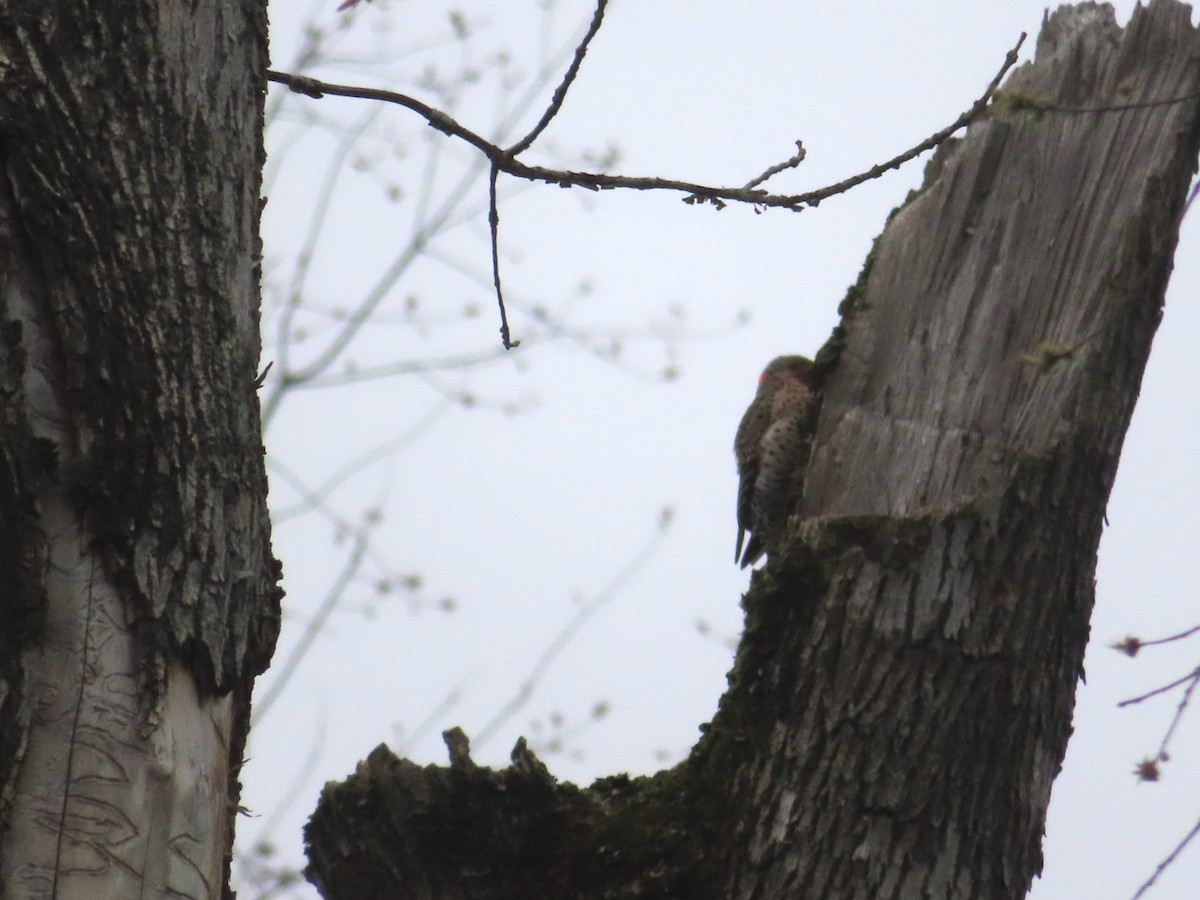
[(932, 141), (304, 259), (360, 464), (560, 641), (560, 92), (774, 170), (1175, 637), (556, 741), (1184, 702), (317, 742), (334, 596), (1191, 197), (408, 367), (494, 227), (1162, 866), (319, 506), (1195, 673)]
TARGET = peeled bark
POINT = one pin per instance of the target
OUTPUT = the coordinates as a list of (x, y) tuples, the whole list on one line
[(902, 696), (139, 596)]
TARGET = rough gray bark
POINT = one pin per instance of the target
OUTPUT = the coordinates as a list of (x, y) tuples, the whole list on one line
[(902, 696), (139, 595)]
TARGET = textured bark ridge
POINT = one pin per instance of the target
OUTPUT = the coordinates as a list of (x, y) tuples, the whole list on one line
[(138, 593), (902, 696), (142, 225)]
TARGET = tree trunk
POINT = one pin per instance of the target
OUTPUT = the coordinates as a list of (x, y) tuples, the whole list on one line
[(138, 593), (902, 696)]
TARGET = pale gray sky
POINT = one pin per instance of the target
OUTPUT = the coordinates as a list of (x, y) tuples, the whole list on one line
[(519, 517)]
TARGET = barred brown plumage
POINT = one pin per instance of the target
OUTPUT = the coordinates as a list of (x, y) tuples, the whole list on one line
[(771, 445)]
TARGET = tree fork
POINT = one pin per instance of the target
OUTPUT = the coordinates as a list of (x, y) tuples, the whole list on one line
[(902, 696)]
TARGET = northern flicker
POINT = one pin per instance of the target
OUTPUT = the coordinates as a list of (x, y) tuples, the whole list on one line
[(771, 446)]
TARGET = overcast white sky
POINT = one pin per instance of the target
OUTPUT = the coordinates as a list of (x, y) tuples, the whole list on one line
[(532, 502)]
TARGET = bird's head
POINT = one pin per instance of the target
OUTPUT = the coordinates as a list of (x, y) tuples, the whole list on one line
[(785, 368)]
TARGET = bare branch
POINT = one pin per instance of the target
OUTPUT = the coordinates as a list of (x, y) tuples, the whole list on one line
[(560, 92), (1184, 702), (1190, 676), (284, 672), (360, 463), (774, 170), (564, 637), (930, 142), (317, 743), (504, 161), (406, 367), (494, 227), (317, 89), (304, 259), (1132, 644), (1148, 769), (1171, 857)]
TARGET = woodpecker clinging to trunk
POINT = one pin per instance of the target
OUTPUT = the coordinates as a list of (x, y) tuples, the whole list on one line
[(771, 446)]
